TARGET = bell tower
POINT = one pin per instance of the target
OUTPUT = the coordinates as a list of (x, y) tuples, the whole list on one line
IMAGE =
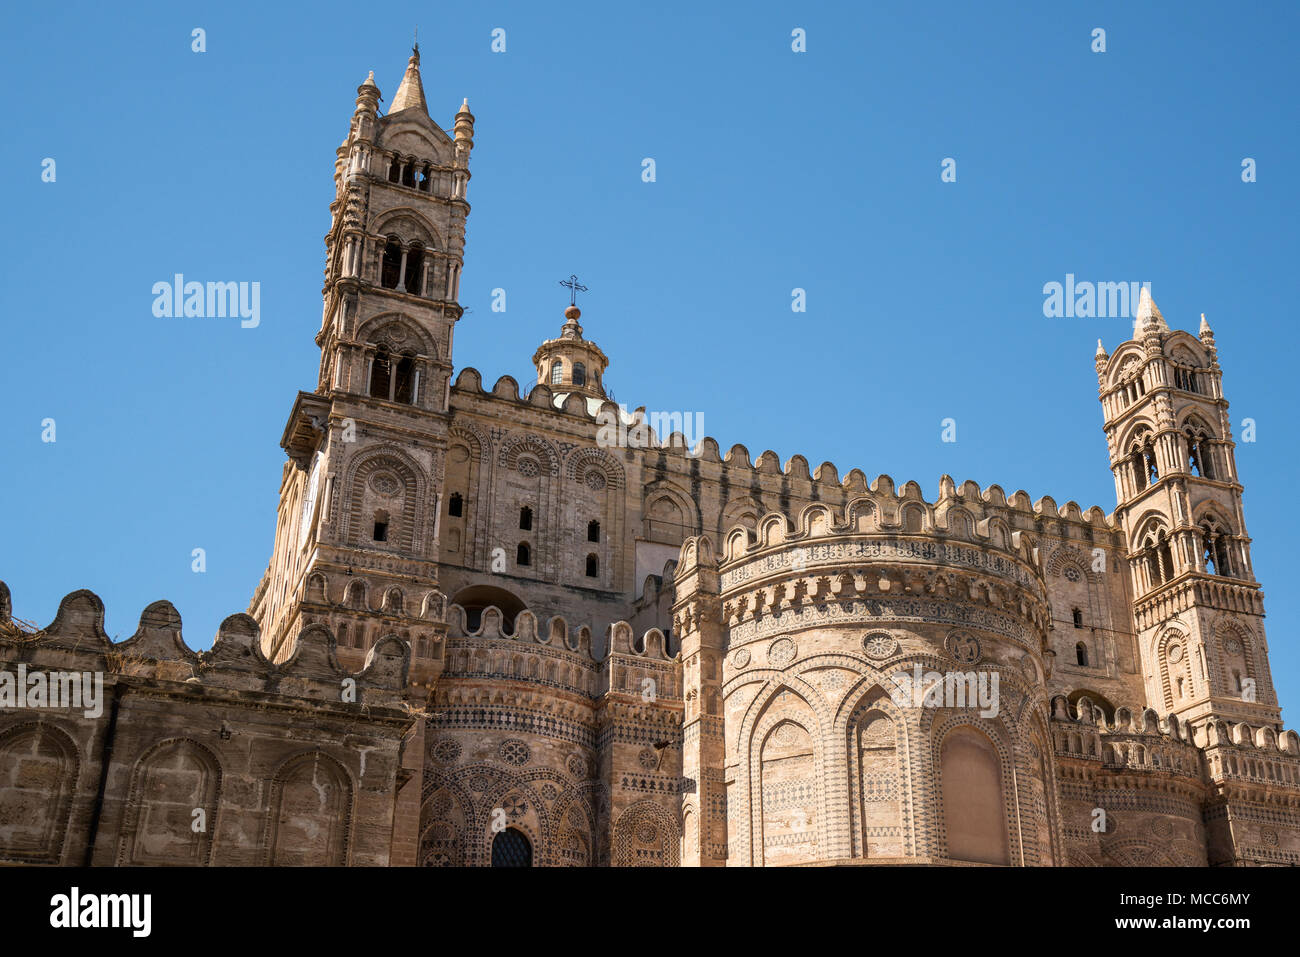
[(1198, 610), (356, 544)]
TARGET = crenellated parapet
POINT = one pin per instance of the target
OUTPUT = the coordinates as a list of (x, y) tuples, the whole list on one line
[(1252, 760), (225, 737), (1142, 788), (157, 651), (862, 567), (1136, 740), (557, 653), (637, 430)]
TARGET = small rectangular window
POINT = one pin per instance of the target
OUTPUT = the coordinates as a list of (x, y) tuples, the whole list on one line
[(381, 531)]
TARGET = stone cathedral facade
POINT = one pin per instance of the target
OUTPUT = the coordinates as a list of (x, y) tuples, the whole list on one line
[(496, 631)]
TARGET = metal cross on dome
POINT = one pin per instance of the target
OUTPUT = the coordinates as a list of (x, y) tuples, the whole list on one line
[(574, 287)]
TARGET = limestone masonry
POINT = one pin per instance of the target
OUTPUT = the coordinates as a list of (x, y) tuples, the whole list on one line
[(489, 635)]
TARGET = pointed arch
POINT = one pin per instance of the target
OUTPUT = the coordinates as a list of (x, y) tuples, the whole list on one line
[(409, 224), (34, 819), (385, 478), (646, 835), (972, 794), (169, 782), (309, 817)]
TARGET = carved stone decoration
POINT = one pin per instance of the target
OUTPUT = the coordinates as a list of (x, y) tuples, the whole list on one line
[(782, 652), (514, 751), (964, 648), (879, 645), (740, 659), (445, 751), (385, 483)]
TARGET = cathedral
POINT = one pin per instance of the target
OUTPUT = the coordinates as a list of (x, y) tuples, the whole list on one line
[(494, 631)]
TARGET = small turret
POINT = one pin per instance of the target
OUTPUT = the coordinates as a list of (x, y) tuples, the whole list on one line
[(367, 97), (1206, 336)]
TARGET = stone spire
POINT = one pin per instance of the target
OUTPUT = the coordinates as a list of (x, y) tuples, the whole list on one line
[(1206, 336), (1148, 314), (410, 94)]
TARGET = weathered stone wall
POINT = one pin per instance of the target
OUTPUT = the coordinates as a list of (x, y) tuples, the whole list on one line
[(211, 758)]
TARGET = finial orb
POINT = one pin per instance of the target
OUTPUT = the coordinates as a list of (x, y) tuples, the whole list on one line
[(573, 312)]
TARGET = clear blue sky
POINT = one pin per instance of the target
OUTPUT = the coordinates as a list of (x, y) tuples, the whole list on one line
[(774, 170)]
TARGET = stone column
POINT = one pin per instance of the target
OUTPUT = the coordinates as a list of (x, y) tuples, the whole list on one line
[(697, 618)]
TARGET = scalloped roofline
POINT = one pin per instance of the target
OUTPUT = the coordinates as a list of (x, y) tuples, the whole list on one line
[(470, 382)]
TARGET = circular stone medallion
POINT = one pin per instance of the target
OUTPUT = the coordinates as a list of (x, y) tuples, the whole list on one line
[(782, 652), (513, 751), (964, 648), (879, 645)]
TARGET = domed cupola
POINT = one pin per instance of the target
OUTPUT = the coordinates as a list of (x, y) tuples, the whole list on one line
[(572, 363)]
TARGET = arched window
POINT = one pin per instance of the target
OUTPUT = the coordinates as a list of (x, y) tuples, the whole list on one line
[(394, 170), (593, 531), (1200, 454), (381, 373), (523, 556), (1217, 546), (1185, 378), (391, 270), (1158, 558), (557, 372), (404, 380), (414, 281), (1142, 456), (408, 173), (579, 374), (1078, 618), (1081, 654), (526, 519), (381, 526), (1166, 557), (426, 174), (456, 505), (593, 566), (511, 848)]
